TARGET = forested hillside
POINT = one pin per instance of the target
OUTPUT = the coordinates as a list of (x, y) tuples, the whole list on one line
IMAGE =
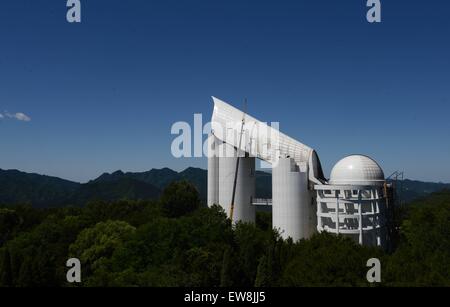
[(173, 241), (43, 191), (19, 187)]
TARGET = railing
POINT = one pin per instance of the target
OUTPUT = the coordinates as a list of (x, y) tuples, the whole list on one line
[(261, 202)]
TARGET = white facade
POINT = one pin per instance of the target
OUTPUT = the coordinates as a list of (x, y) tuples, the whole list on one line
[(354, 203), (293, 209)]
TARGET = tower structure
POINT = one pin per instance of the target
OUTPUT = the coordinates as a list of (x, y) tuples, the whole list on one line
[(352, 202)]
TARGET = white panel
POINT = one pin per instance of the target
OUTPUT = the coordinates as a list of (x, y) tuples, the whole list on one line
[(259, 139)]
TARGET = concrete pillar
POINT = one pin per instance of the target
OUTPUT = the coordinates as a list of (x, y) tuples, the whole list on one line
[(213, 171), (293, 210), (245, 187)]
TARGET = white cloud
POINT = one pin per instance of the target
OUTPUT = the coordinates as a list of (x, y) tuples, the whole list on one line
[(22, 117), (18, 116)]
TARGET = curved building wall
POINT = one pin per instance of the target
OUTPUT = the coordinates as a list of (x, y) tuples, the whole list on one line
[(358, 212), (245, 186), (292, 209)]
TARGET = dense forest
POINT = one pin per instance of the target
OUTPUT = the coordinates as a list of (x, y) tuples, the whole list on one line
[(175, 241)]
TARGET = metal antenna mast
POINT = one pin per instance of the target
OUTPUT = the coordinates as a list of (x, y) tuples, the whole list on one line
[(237, 162)]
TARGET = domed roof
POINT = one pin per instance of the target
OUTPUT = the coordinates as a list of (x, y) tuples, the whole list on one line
[(357, 170)]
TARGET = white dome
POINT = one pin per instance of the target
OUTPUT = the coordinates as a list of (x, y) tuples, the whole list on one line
[(357, 170)]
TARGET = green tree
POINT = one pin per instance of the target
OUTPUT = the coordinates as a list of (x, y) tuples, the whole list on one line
[(189, 247), (6, 278), (269, 264), (38, 257), (200, 267), (262, 274), (263, 220), (9, 222), (252, 243), (135, 213), (423, 257), (328, 260), (226, 275), (180, 198), (95, 245)]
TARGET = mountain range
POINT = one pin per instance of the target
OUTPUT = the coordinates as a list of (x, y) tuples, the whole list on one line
[(18, 187)]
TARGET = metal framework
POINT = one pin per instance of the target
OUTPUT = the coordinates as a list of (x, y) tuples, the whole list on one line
[(356, 211)]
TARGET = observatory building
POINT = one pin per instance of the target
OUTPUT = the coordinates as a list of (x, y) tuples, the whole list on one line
[(351, 203)]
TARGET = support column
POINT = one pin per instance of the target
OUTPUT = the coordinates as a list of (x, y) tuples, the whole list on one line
[(360, 218), (291, 208), (319, 211), (245, 186), (337, 212), (213, 171)]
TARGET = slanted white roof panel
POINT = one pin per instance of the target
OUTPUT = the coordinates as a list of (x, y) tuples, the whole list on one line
[(258, 139)]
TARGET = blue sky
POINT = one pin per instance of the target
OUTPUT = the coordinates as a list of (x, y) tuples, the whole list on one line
[(102, 95)]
